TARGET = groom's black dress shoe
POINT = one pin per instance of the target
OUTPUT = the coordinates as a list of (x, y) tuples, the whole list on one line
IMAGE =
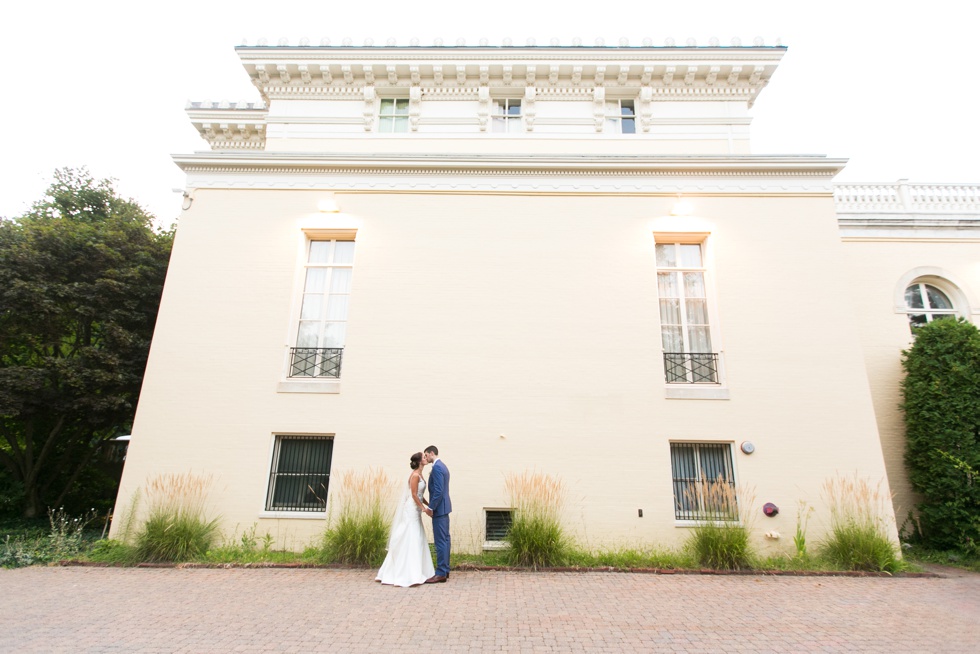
[(435, 579)]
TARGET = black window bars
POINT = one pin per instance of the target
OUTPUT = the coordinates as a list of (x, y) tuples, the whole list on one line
[(691, 367), (315, 361)]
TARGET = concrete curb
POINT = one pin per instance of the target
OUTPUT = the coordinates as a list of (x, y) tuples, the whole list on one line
[(465, 567)]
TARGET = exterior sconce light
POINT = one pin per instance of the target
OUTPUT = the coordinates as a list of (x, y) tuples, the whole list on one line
[(328, 205), (682, 207), (770, 509)]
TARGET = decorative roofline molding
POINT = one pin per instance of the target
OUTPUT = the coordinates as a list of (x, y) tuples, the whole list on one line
[(513, 165)]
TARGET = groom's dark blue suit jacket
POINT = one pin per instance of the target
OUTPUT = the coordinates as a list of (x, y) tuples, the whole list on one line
[(439, 500)]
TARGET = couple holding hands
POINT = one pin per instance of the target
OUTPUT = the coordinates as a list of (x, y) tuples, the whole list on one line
[(409, 562)]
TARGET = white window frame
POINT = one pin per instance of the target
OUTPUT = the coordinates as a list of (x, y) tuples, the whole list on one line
[(302, 383), (505, 122), (271, 478), (391, 118), (726, 446), (931, 313), (489, 544), (683, 390), (615, 118)]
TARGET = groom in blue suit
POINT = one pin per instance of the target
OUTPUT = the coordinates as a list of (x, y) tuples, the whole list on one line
[(440, 506)]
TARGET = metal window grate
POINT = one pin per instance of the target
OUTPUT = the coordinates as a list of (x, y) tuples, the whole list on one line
[(300, 474), (498, 524), (691, 367), (315, 361), (696, 469)]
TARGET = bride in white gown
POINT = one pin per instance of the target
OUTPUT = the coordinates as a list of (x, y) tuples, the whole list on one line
[(409, 561)]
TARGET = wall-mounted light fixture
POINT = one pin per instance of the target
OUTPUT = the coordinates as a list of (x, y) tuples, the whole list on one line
[(682, 207), (328, 204)]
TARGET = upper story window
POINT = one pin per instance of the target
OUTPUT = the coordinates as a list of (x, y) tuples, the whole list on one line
[(685, 330), (393, 116), (507, 115), (323, 316), (620, 117), (925, 303)]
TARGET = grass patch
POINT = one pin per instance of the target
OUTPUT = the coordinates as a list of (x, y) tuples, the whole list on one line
[(536, 537), (953, 559), (719, 538), (858, 540), (359, 535), (176, 527)]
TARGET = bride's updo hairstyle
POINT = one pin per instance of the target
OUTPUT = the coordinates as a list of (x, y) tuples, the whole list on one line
[(415, 460)]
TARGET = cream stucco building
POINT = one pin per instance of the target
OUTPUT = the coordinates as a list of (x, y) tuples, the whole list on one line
[(561, 259)]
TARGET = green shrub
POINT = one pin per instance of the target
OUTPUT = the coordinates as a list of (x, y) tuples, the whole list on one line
[(176, 527), (719, 538), (942, 423), (359, 535), (535, 536), (31, 545), (858, 540)]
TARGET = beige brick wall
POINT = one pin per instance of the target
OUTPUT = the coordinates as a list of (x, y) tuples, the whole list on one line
[(515, 332)]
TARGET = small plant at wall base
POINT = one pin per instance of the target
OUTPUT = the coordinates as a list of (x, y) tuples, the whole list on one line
[(858, 538), (176, 527), (536, 537), (719, 537), (803, 513), (359, 535), (942, 423)]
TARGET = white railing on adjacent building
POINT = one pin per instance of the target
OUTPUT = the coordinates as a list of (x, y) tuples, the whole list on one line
[(905, 197)]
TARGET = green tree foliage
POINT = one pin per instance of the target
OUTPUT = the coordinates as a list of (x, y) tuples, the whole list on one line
[(80, 280), (942, 417)]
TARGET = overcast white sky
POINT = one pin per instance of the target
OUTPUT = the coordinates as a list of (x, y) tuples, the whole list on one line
[(103, 83)]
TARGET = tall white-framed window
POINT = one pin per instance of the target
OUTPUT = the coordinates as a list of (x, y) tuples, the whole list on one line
[(393, 115), (507, 115), (926, 302), (322, 329), (620, 117), (685, 328), (703, 476)]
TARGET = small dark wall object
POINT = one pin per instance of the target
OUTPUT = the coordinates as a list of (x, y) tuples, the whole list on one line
[(770, 509)]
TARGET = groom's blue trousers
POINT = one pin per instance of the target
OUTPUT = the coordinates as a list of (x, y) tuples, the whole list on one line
[(440, 534)]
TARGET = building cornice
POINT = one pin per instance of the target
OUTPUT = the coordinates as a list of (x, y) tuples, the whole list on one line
[(516, 164), (522, 174), (671, 73)]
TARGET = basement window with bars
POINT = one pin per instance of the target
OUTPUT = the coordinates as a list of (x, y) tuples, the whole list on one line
[(498, 522), (704, 482), (300, 474)]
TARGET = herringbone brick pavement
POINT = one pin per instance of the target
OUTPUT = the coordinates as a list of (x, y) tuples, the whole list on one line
[(93, 610)]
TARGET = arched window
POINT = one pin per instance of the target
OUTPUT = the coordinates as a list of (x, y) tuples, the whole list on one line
[(925, 303)]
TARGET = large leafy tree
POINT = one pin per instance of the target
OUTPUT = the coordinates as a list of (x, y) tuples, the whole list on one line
[(81, 275), (942, 417)]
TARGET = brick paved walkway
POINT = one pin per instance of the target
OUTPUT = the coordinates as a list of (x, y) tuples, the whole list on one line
[(297, 610)]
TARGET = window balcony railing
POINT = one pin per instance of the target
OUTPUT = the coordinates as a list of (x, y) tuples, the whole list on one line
[(315, 361), (691, 367)]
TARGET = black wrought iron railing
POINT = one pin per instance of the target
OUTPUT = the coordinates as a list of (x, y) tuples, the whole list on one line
[(315, 361), (691, 367)]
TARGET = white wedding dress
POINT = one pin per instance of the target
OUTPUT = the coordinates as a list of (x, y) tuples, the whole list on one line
[(409, 561)]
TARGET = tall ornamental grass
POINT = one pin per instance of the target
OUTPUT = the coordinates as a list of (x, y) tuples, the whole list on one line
[(536, 537), (176, 527), (719, 538), (359, 535), (858, 538)]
